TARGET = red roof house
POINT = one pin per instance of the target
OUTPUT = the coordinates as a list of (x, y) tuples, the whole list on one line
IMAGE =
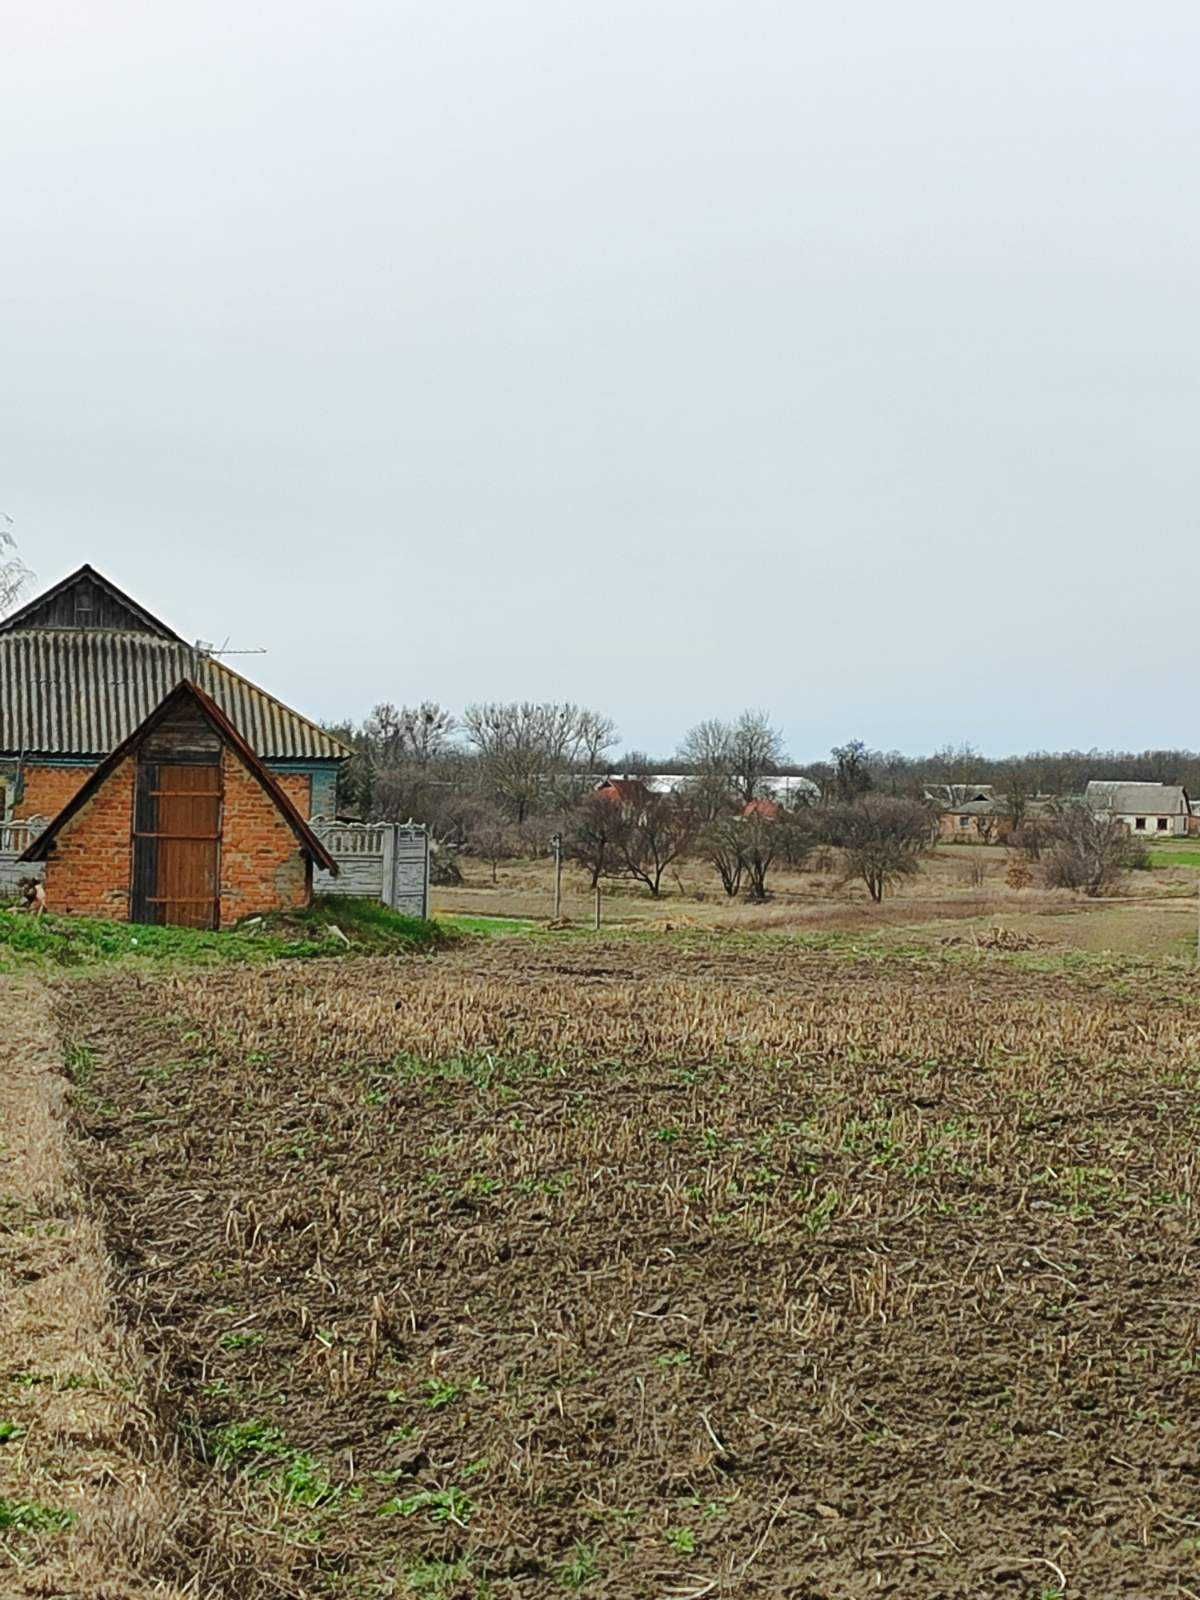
[(624, 791)]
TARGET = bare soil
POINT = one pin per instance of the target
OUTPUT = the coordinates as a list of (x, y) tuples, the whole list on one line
[(636, 1269)]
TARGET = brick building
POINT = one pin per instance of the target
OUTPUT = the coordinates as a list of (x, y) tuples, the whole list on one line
[(181, 823), (83, 665)]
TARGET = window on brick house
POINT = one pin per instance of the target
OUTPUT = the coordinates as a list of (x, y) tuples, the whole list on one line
[(1162, 824), (1140, 824), (964, 822)]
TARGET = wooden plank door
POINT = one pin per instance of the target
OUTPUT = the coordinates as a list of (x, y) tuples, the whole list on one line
[(177, 843)]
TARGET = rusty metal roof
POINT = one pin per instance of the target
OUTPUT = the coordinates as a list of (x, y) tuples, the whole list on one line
[(78, 692)]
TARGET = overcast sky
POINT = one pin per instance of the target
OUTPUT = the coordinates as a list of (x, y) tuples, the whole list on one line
[(664, 355)]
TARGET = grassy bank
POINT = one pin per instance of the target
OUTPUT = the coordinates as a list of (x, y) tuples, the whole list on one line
[(330, 927)]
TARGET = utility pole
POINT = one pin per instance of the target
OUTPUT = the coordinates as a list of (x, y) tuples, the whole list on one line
[(556, 841)]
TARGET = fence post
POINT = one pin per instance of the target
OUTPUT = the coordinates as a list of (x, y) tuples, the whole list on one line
[(388, 874)]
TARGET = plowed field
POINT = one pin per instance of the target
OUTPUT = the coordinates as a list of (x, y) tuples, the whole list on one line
[(627, 1270)]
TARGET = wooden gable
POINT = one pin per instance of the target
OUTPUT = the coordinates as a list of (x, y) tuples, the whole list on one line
[(86, 600)]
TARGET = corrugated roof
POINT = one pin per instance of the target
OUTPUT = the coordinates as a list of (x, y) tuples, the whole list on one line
[(1134, 799), (80, 693)]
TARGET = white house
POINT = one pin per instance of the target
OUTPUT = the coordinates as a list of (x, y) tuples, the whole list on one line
[(1151, 808)]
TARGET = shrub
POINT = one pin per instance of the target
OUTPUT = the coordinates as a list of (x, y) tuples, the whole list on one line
[(884, 839), (1087, 851)]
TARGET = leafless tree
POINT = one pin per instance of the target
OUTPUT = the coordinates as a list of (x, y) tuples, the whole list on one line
[(417, 734), (732, 758), (955, 764), (1088, 851), (883, 839), (764, 839), (597, 734), (1032, 838), (527, 751), (14, 574), (721, 843), (852, 772), (588, 838), (649, 837), (634, 763), (1015, 805), (757, 750), (707, 748), (491, 835), (788, 836)]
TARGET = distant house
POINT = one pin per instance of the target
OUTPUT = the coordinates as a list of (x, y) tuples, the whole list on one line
[(1153, 808), (182, 823), (969, 813), (956, 794), (762, 810), (631, 792)]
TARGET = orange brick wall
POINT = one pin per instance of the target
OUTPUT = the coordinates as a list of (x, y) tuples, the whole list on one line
[(951, 831), (88, 872), (298, 788), (261, 865), (90, 867), (47, 789)]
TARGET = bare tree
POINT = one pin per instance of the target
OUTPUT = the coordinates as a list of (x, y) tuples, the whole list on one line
[(588, 838), (527, 751), (883, 838), (852, 773), (1089, 851), (417, 734), (707, 749), (1015, 805), (731, 759), (650, 837), (14, 574), (597, 734), (492, 835), (634, 763), (721, 843), (764, 838), (956, 764), (756, 749)]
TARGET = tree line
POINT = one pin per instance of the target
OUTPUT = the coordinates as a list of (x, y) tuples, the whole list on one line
[(505, 778), (525, 759)]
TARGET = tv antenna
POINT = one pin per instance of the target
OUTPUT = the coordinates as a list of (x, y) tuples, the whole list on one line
[(203, 649)]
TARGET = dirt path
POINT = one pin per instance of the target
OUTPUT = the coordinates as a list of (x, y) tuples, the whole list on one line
[(85, 1506)]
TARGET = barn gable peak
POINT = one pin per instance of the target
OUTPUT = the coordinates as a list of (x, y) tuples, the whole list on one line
[(86, 600)]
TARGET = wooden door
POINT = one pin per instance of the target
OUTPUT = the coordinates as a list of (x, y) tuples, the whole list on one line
[(176, 845)]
